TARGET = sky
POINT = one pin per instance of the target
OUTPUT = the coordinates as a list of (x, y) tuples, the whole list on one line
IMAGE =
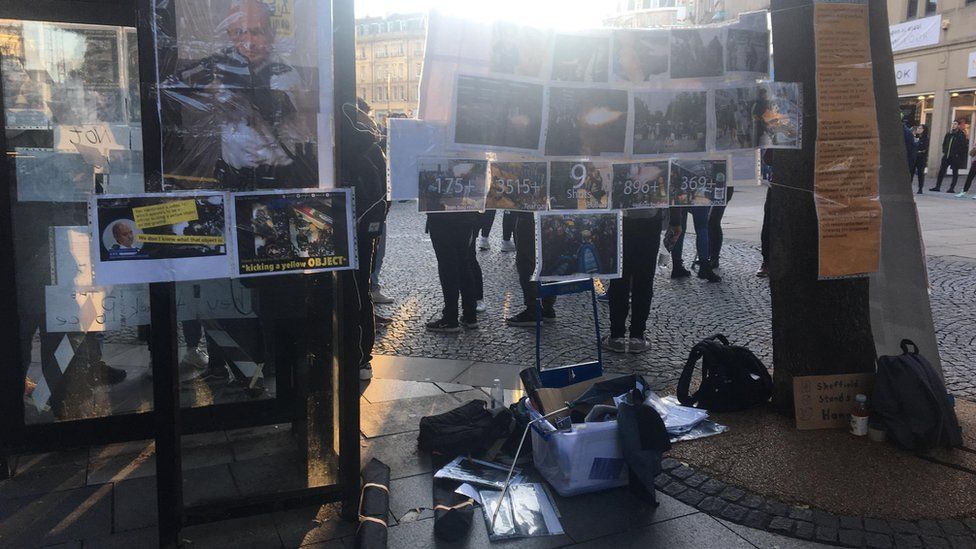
[(542, 13)]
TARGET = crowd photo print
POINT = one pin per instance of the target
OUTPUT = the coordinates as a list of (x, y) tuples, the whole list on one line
[(578, 244)]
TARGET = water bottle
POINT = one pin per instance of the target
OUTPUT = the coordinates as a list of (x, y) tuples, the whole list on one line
[(497, 393)]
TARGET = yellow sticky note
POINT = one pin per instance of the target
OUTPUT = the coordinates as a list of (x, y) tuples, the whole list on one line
[(168, 213)]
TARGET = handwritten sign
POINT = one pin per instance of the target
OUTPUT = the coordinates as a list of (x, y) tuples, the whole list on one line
[(97, 136), (826, 402)]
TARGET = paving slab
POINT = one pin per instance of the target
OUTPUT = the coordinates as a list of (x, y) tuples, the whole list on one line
[(599, 514), (256, 532), (37, 480), (411, 493), (421, 534), (135, 504), (417, 369), (698, 530), (211, 484), (766, 540), (385, 390), (399, 452), (312, 525), (387, 418), (56, 517), (146, 538)]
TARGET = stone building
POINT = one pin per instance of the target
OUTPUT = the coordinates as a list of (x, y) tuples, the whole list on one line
[(389, 58)]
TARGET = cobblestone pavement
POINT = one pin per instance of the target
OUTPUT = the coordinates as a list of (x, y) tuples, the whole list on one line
[(683, 312)]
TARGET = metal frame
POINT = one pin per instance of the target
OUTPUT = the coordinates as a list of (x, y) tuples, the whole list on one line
[(167, 422), (562, 376)]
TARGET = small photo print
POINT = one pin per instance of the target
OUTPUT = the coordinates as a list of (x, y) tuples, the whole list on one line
[(782, 108), (580, 185), (586, 122), (163, 227), (640, 185), (747, 51), (452, 185), (640, 55), (669, 121), (518, 49), (581, 58), (698, 182), (498, 113), (738, 118), (578, 244), (521, 186), (697, 53)]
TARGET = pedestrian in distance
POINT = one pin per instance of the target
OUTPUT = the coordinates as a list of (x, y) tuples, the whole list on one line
[(954, 147), (921, 155)]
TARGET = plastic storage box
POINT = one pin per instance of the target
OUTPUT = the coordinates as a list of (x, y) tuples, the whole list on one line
[(586, 459)]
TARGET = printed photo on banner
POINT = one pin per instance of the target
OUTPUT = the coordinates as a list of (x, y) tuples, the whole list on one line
[(739, 120), (159, 238), (581, 58), (518, 186), (747, 51), (640, 55), (697, 53), (452, 185), (669, 121), (698, 182), (579, 185), (518, 49), (573, 245), (239, 93), (282, 232), (586, 122), (496, 113), (640, 185), (782, 107)]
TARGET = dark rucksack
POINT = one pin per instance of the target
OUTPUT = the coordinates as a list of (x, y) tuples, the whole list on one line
[(732, 377), (912, 403), (468, 429)]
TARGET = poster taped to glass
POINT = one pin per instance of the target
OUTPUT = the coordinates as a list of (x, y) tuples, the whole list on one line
[(571, 245), (239, 93), (640, 185), (287, 232), (159, 237), (452, 185), (698, 182), (520, 186)]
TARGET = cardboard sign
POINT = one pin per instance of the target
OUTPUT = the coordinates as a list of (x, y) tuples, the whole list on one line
[(826, 402)]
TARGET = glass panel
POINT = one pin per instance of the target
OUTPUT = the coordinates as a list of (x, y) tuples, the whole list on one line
[(912, 9), (931, 6), (71, 106)]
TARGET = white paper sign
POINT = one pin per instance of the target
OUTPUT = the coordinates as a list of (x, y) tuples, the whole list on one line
[(72, 257), (408, 141), (971, 70), (907, 73), (97, 136), (915, 34)]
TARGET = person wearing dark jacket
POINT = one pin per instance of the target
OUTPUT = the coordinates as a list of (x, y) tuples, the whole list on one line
[(955, 145), (921, 155), (911, 149), (453, 234)]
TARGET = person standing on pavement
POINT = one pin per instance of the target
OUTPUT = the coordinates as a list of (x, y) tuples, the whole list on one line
[(921, 155), (635, 289), (452, 234), (911, 148), (715, 235), (525, 266), (954, 147), (679, 226), (969, 178)]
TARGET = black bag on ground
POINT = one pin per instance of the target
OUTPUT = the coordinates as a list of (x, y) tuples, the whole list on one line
[(912, 402), (469, 429), (733, 378)]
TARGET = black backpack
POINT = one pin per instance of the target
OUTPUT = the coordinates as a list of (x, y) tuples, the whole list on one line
[(732, 377), (912, 402), (469, 429)]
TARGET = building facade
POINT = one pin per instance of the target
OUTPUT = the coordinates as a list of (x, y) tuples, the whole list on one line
[(389, 58), (934, 44)]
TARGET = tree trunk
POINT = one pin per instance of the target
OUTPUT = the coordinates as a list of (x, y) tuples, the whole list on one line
[(819, 327)]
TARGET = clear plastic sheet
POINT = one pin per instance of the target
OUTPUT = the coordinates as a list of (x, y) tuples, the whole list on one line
[(475, 471), (526, 511)]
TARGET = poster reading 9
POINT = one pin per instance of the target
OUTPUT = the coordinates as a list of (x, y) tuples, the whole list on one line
[(451, 185), (698, 182), (580, 185)]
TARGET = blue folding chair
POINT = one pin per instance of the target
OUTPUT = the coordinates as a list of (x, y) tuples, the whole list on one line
[(562, 376)]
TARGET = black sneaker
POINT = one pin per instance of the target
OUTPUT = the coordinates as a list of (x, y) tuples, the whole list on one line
[(678, 271), (381, 320), (524, 319), (709, 275), (443, 325), (102, 374), (470, 324), (548, 315)]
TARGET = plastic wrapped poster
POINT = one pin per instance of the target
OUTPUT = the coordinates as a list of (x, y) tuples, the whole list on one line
[(669, 121), (518, 186), (640, 185), (452, 185), (571, 245), (580, 185), (525, 511), (698, 182), (476, 471), (408, 141), (586, 121), (287, 232), (240, 87), (519, 50), (492, 113), (640, 56), (697, 53), (747, 50), (159, 237), (581, 57)]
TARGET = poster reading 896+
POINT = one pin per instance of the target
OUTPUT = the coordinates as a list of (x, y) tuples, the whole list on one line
[(640, 185)]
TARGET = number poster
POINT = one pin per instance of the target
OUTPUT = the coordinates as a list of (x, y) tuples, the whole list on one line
[(640, 185), (520, 186), (452, 185)]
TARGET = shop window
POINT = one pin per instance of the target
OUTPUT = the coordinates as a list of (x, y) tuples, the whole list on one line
[(931, 6), (912, 9)]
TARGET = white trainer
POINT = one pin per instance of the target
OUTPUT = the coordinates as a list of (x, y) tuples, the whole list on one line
[(483, 243)]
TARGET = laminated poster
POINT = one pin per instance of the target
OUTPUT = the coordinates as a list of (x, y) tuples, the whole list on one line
[(452, 185), (698, 182), (159, 237), (571, 245), (519, 186), (282, 232), (640, 185), (580, 185)]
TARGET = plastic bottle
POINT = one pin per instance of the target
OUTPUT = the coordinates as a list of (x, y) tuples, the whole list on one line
[(497, 393), (859, 416)]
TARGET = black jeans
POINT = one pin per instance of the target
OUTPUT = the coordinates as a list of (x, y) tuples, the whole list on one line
[(946, 164), (525, 259), (642, 242), (921, 162), (969, 178), (487, 220), (366, 337), (699, 215), (764, 233), (715, 235), (477, 276), (452, 236), (508, 226)]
